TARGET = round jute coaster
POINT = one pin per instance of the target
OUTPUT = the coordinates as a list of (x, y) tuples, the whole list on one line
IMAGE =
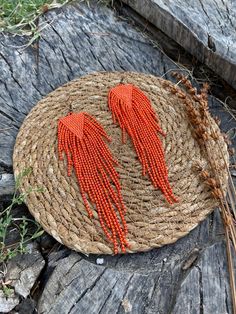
[(151, 221)]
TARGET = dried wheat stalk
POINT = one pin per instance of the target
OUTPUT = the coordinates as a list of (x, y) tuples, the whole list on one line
[(203, 130)]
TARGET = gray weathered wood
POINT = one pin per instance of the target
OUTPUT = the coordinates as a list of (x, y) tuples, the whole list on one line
[(206, 29), (206, 281), (6, 184), (78, 286), (23, 270), (78, 40), (20, 274), (7, 304)]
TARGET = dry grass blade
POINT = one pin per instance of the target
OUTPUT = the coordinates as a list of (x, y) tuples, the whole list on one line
[(20, 16), (232, 195), (201, 122), (231, 267)]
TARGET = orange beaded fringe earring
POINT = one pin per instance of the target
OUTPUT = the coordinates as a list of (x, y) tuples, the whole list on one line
[(132, 110), (81, 138)]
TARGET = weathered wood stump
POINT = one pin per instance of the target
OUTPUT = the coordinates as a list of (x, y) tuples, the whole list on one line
[(206, 29), (189, 276)]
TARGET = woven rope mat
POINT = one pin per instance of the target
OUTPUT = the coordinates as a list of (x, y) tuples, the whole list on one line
[(151, 221)]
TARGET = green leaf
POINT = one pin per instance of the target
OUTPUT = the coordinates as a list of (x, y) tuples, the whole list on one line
[(8, 291), (37, 234)]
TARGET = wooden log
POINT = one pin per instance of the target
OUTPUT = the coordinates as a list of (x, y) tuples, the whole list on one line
[(8, 303), (202, 289), (20, 274), (77, 285), (206, 29), (6, 184), (77, 40)]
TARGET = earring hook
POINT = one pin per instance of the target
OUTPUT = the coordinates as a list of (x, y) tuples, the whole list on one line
[(122, 80), (70, 106)]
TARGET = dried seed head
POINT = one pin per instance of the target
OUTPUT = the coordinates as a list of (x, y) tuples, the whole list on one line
[(201, 129), (181, 95), (184, 80), (204, 175), (187, 84), (174, 74), (206, 137), (197, 97), (203, 105), (166, 84), (206, 86), (217, 193), (188, 102), (215, 136), (204, 90), (231, 151), (177, 75), (198, 167), (212, 183), (173, 90), (217, 120), (193, 91), (198, 115)]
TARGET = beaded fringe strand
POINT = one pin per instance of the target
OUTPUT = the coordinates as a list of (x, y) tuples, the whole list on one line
[(132, 110), (81, 138)]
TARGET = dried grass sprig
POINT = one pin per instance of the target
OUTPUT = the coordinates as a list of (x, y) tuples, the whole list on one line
[(201, 121)]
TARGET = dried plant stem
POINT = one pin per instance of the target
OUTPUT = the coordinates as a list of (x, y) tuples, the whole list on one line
[(232, 199), (231, 268), (201, 121), (226, 211), (231, 188), (228, 221)]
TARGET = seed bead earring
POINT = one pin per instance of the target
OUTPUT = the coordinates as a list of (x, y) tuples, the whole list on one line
[(132, 110), (81, 138)]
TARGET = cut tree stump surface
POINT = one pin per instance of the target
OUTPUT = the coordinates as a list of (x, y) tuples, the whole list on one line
[(189, 276), (21, 275), (205, 28)]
